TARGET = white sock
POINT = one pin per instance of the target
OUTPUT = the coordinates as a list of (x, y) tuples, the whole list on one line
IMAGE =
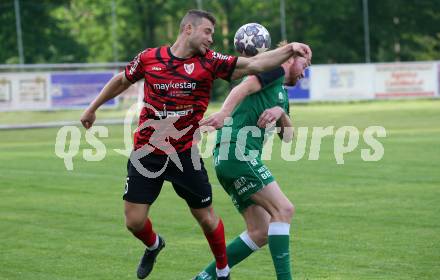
[(155, 245), (222, 272), (248, 241), (279, 228)]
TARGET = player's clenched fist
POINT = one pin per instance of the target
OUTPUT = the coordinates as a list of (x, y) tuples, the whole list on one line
[(269, 116), (88, 118), (300, 49)]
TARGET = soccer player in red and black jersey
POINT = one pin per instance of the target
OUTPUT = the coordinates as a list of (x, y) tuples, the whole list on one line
[(177, 86)]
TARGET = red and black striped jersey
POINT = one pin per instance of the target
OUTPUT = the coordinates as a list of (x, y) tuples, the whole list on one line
[(174, 88)]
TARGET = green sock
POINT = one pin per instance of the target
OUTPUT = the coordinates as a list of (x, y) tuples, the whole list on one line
[(237, 250), (278, 240)]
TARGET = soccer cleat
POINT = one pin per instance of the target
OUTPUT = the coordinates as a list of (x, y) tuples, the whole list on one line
[(202, 277), (148, 259), (205, 276)]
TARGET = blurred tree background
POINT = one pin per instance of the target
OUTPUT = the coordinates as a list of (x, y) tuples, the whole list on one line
[(115, 30), (64, 31)]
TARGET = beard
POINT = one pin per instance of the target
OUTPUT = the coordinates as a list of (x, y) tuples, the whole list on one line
[(197, 48), (290, 81)]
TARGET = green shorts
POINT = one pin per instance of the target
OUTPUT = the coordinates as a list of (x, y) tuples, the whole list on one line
[(239, 178)]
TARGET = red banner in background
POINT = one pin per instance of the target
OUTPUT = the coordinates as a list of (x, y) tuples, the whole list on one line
[(401, 80)]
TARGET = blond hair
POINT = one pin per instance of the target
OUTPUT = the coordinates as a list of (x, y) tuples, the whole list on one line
[(282, 44)]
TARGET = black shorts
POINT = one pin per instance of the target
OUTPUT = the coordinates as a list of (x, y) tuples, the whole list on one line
[(192, 185)]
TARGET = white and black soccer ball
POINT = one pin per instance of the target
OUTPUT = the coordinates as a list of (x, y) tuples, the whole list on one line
[(251, 39)]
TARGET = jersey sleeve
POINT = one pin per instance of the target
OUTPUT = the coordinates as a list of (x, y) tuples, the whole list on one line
[(223, 65), (134, 71), (268, 77)]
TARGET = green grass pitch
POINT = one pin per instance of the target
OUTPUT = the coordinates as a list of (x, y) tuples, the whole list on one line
[(360, 220)]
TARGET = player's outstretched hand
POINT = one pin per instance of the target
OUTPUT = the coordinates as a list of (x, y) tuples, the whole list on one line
[(88, 118), (303, 50), (215, 120), (269, 116)]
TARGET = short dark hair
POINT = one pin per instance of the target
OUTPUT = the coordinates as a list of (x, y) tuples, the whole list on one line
[(194, 17)]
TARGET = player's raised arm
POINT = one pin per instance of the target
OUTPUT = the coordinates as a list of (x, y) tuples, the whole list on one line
[(237, 94), (270, 59), (113, 88)]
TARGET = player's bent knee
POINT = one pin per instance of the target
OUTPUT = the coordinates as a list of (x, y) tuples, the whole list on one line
[(133, 222), (206, 218), (292, 209), (134, 225), (208, 223), (259, 236), (288, 210), (285, 212)]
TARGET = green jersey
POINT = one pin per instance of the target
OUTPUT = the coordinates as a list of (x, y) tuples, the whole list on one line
[(241, 177), (244, 126)]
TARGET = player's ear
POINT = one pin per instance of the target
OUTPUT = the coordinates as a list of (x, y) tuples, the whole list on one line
[(188, 28)]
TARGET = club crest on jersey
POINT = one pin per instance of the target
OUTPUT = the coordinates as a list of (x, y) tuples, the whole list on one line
[(281, 96), (189, 68)]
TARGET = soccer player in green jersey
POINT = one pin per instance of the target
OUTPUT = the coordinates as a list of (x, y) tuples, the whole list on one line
[(253, 190)]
